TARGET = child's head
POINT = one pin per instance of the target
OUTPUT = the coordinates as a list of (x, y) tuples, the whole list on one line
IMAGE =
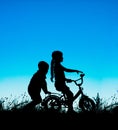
[(57, 55), (43, 66)]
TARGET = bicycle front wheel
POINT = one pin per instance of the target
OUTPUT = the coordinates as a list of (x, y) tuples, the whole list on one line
[(87, 104), (52, 103)]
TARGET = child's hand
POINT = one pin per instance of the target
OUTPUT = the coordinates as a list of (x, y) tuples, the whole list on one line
[(79, 71), (68, 80)]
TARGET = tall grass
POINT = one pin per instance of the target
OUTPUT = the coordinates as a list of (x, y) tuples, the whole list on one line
[(17, 103), (13, 103)]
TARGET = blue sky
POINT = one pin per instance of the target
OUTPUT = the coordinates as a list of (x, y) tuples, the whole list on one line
[(84, 30)]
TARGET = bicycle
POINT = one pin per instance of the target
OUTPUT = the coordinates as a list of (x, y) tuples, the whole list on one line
[(56, 101)]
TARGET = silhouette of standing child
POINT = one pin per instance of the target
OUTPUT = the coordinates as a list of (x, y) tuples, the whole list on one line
[(57, 72), (37, 82)]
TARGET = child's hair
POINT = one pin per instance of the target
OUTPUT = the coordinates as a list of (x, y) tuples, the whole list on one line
[(55, 55), (43, 65)]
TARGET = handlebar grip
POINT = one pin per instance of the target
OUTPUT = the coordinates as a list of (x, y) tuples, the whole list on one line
[(81, 75)]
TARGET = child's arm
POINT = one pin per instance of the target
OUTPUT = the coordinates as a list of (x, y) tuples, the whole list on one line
[(45, 89), (71, 70)]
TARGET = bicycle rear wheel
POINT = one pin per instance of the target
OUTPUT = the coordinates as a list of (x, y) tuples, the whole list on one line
[(87, 104), (52, 103)]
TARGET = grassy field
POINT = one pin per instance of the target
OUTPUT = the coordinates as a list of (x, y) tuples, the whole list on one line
[(12, 111)]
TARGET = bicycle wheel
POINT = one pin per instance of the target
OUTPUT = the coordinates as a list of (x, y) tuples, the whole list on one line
[(51, 103), (86, 104)]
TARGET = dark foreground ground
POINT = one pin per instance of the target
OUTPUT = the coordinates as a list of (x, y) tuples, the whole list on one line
[(54, 120)]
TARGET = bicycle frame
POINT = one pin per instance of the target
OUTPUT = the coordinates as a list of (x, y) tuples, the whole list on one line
[(80, 91), (55, 100)]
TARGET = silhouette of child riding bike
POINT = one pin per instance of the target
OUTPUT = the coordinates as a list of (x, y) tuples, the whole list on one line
[(56, 101)]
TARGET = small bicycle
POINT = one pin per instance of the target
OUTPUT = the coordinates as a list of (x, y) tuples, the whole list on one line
[(56, 101)]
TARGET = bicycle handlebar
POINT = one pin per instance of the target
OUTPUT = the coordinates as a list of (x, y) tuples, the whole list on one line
[(82, 75), (81, 78)]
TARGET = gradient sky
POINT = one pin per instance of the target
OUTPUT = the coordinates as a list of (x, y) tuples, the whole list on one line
[(86, 31)]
